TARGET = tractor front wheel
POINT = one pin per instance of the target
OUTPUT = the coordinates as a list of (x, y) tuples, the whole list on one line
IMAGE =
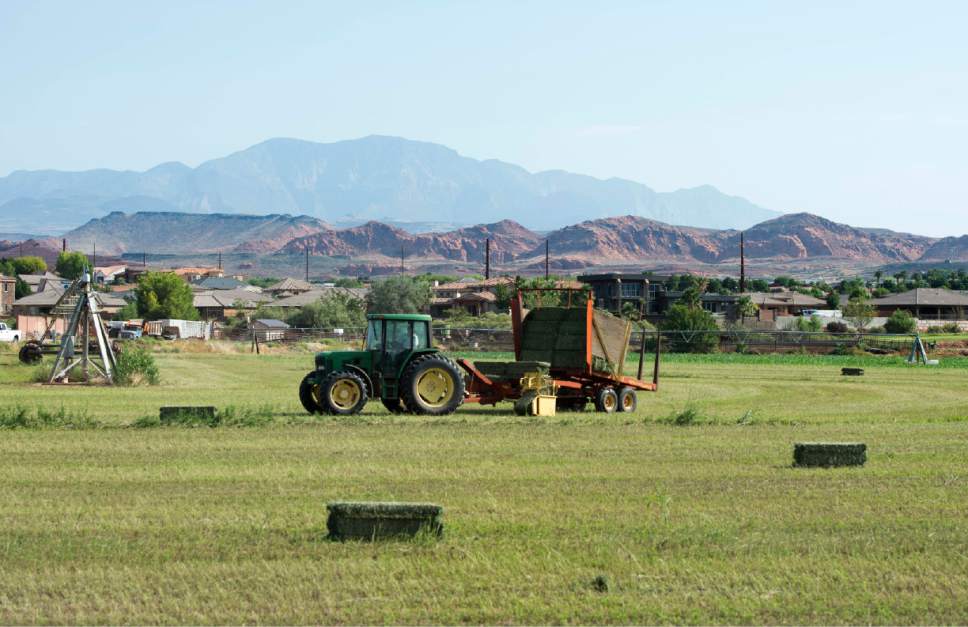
[(309, 395), (606, 400), (432, 385), (343, 393)]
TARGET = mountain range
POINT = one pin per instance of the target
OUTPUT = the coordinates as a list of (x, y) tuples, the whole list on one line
[(789, 241), (389, 179)]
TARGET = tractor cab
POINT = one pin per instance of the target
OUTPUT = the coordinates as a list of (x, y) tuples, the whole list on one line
[(397, 364)]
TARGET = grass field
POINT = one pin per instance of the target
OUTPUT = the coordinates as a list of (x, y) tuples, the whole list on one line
[(706, 523)]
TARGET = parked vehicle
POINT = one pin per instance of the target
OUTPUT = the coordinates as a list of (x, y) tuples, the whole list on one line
[(7, 334)]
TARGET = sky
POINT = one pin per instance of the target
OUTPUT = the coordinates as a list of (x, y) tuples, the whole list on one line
[(856, 111)]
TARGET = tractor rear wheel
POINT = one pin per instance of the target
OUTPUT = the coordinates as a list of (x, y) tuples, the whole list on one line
[(606, 400), (627, 399), (432, 385), (343, 393), (309, 395)]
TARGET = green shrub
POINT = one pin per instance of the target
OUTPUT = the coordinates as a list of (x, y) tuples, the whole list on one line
[(837, 327), (951, 327), (695, 329), (900, 322), (19, 417), (688, 416), (136, 365), (813, 324)]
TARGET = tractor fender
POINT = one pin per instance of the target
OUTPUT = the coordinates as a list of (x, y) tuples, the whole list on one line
[(363, 375)]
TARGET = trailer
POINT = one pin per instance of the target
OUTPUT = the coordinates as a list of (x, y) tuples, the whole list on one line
[(565, 356)]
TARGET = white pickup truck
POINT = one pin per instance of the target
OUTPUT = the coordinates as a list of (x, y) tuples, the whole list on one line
[(8, 334)]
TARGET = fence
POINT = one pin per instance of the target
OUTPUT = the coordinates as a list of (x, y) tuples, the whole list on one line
[(724, 340)]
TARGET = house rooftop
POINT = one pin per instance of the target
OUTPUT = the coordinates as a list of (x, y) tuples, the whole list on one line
[(927, 296)]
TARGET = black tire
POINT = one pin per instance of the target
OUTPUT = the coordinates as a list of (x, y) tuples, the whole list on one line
[(308, 395), (31, 353), (522, 406), (343, 393), (571, 403), (628, 399), (395, 406), (606, 400), (439, 397)]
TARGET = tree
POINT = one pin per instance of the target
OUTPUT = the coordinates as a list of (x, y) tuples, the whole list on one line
[(399, 294), (900, 322), (29, 265), (746, 308), (812, 324), (695, 329), (163, 295), (878, 275), (128, 312), (833, 300), (21, 289), (71, 264), (335, 312), (759, 285), (860, 312)]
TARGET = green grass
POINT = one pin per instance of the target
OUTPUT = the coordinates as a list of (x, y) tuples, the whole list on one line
[(704, 521)]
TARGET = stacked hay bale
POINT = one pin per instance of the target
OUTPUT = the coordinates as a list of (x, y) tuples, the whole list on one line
[(829, 454)]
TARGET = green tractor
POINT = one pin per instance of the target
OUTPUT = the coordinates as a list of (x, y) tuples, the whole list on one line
[(398, 364)]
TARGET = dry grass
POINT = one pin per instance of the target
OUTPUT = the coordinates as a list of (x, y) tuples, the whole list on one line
[(703, 523)]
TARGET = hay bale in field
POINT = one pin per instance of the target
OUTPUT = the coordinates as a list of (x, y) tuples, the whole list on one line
[(370, 520), (828, 454), (852, 372), (202, 415)]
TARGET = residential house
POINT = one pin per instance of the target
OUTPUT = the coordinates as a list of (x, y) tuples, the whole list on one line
[(36, 282), (221, 283), (193, 274), (268, 330), (107, 274), (288, 287), (925, 304), (476, 296), (616, 292), (33, 311), (8, 292), (320, 293), (222, 304)]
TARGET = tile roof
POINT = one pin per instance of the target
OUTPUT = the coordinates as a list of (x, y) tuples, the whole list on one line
[(272, 323), (289, 284)]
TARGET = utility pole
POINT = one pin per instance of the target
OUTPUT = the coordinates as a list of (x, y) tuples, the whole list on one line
[(742, 263), (220, 260), (64, 245), (144, 259), (94, 261), (307, 263), (547, 258), (403, 267), (487, 259)]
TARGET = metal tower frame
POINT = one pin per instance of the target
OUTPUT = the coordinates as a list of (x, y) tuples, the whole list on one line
[(85, 317)]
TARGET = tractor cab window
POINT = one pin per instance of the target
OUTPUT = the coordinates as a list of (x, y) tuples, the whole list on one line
[(398, 336), (420, 339), (374, 335)]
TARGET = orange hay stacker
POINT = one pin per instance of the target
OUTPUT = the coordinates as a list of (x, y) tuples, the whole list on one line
[(567, 355)]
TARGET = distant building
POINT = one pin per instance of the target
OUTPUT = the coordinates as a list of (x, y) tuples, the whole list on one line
[(268, 330), (288, 287), (8, 292), (36, 282), (614, 291), (925, 304), (107, 274), (221, 283), (222, 304)]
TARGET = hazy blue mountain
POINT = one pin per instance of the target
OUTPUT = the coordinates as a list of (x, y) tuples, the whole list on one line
[(379, 178)]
